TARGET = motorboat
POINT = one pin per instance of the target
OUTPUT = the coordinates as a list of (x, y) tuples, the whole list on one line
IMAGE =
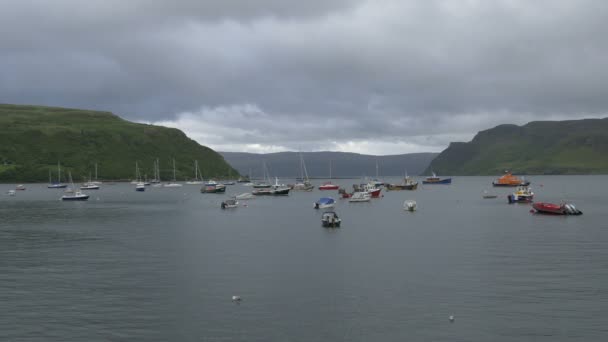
[(89, 186), (360, 196), (523, 194), (330, 219), (370, 188), (213, 187), (329, 186), (509, 180), (20, 187), (74, 195), (407, 184), (229, 203), (324, 203), (409, 205), (11, 193), (140, 187), (556, 209), (245, 196), (436, 180)]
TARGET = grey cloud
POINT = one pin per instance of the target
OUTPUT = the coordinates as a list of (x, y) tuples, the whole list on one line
[(418, 72)]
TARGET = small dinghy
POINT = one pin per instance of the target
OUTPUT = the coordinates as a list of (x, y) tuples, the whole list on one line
[(324, 203), (409, 205), (330, 219), (228, 204)]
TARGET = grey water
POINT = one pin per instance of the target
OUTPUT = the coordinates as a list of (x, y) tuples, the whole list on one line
[(163, 265)]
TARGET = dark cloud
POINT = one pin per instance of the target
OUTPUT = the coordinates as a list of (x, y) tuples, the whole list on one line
[(375, 76)]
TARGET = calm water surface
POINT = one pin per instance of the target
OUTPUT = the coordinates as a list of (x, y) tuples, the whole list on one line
[(163, 265)]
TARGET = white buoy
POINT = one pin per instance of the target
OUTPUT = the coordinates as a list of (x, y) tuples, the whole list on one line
[(236, 298), (451, 318)]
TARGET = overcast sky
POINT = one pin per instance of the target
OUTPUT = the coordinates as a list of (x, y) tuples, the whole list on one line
[(378, 76)]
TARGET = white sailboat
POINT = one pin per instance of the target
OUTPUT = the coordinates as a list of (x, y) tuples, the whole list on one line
[(304, 184), (58, 184), (139, 185), (96, 181), (89, 185), (196, 180), (74, 195), (174, 183)]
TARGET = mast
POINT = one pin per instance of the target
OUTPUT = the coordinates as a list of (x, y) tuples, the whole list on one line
[(95, 173), (330, 169), (58, 173), (174, 170), (196, 170), (50, 180)]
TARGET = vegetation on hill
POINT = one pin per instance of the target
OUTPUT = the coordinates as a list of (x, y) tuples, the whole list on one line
[(33, 139), (540, 147)]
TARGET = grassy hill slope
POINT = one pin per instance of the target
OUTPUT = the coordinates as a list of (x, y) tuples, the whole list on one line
[(540, 147), (34, 138)]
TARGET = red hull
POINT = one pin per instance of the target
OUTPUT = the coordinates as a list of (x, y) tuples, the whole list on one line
[(329, 187), (549, 208), (375, 193)]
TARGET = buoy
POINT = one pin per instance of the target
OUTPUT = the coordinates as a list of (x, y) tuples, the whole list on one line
[(236, 298), (451, 318)]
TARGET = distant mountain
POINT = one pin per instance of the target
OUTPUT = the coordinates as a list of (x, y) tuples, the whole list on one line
[(287, 164), (34, 138), (539, 147)]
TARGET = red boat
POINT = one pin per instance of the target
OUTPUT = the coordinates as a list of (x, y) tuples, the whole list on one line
[(556, 209), (329, 186), (374, 192)]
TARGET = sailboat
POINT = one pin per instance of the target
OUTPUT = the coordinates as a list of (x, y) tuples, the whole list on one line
[(263, 184), (196, 179), (174, 183), (305, 184), (89, 185), (139, 185), (328, 185), (74, 195), (229, 181), (156, 181), (96, 181), (57, 185)]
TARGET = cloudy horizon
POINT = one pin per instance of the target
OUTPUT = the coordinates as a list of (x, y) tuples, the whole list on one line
[(375, 77)]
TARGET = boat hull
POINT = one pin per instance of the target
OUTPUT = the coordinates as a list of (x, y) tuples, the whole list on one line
[(75, 198), (510, 185), (520, 199), (57, 186), (329, 187), (555, 209), (440, 181), (396, 187)]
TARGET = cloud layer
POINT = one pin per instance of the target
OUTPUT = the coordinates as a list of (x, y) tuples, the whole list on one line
[(375, 77)]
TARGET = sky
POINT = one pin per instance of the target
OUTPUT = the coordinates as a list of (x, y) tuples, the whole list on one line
[(368, 76)]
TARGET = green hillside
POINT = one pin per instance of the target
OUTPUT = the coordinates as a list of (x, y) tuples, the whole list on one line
[(34, 138), (540, 147)]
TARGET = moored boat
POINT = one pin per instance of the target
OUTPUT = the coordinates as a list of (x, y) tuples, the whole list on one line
[(213, 187), (74, 195), (360, 196), (556, 209), (407, 184), (437, 180), (410, 205), (523, 194), (329, 186), (509, 180), (229, 203), (20, 187), (11, 193), (324, 203), (330, 219)]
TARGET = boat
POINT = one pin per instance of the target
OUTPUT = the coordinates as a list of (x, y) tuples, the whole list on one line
[(140, 187), (370, 188), (407, 184), (360, 196), (410, 205), (74, 195), (156, 180), (96, 181), (556, 209), (174, 183), (244, 196), (523, 194), (196, 180), (20, 187), (57, 185), (328, 185), (12, 193), (509, 180), (213, 187), (303, 184), (324, 203), (89, 185), (437, 180), (244, 179), (330, 219), (229, 203), (487, 195)]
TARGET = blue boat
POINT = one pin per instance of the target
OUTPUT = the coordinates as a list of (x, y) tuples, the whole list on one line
[(437, 180), (325, 202)]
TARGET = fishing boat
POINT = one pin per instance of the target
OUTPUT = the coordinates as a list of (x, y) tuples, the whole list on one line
[(74, 195), (407, 184), (360, 196), (509, 180), (330, 219), (213, 187), (324, 203), (196, 180), (303, 183), (437, 180), (410, 205), (174, 183), (58, 184), (229, 203), (275, 190), (370, 188), (245, 196), (20, 187), (556, 209), (523, 194)]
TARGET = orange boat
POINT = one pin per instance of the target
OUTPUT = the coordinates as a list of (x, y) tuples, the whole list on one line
[(509, 180)]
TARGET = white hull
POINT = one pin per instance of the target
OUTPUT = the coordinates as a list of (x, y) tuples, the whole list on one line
[(172, 185), (360, 197), (194, 183)]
